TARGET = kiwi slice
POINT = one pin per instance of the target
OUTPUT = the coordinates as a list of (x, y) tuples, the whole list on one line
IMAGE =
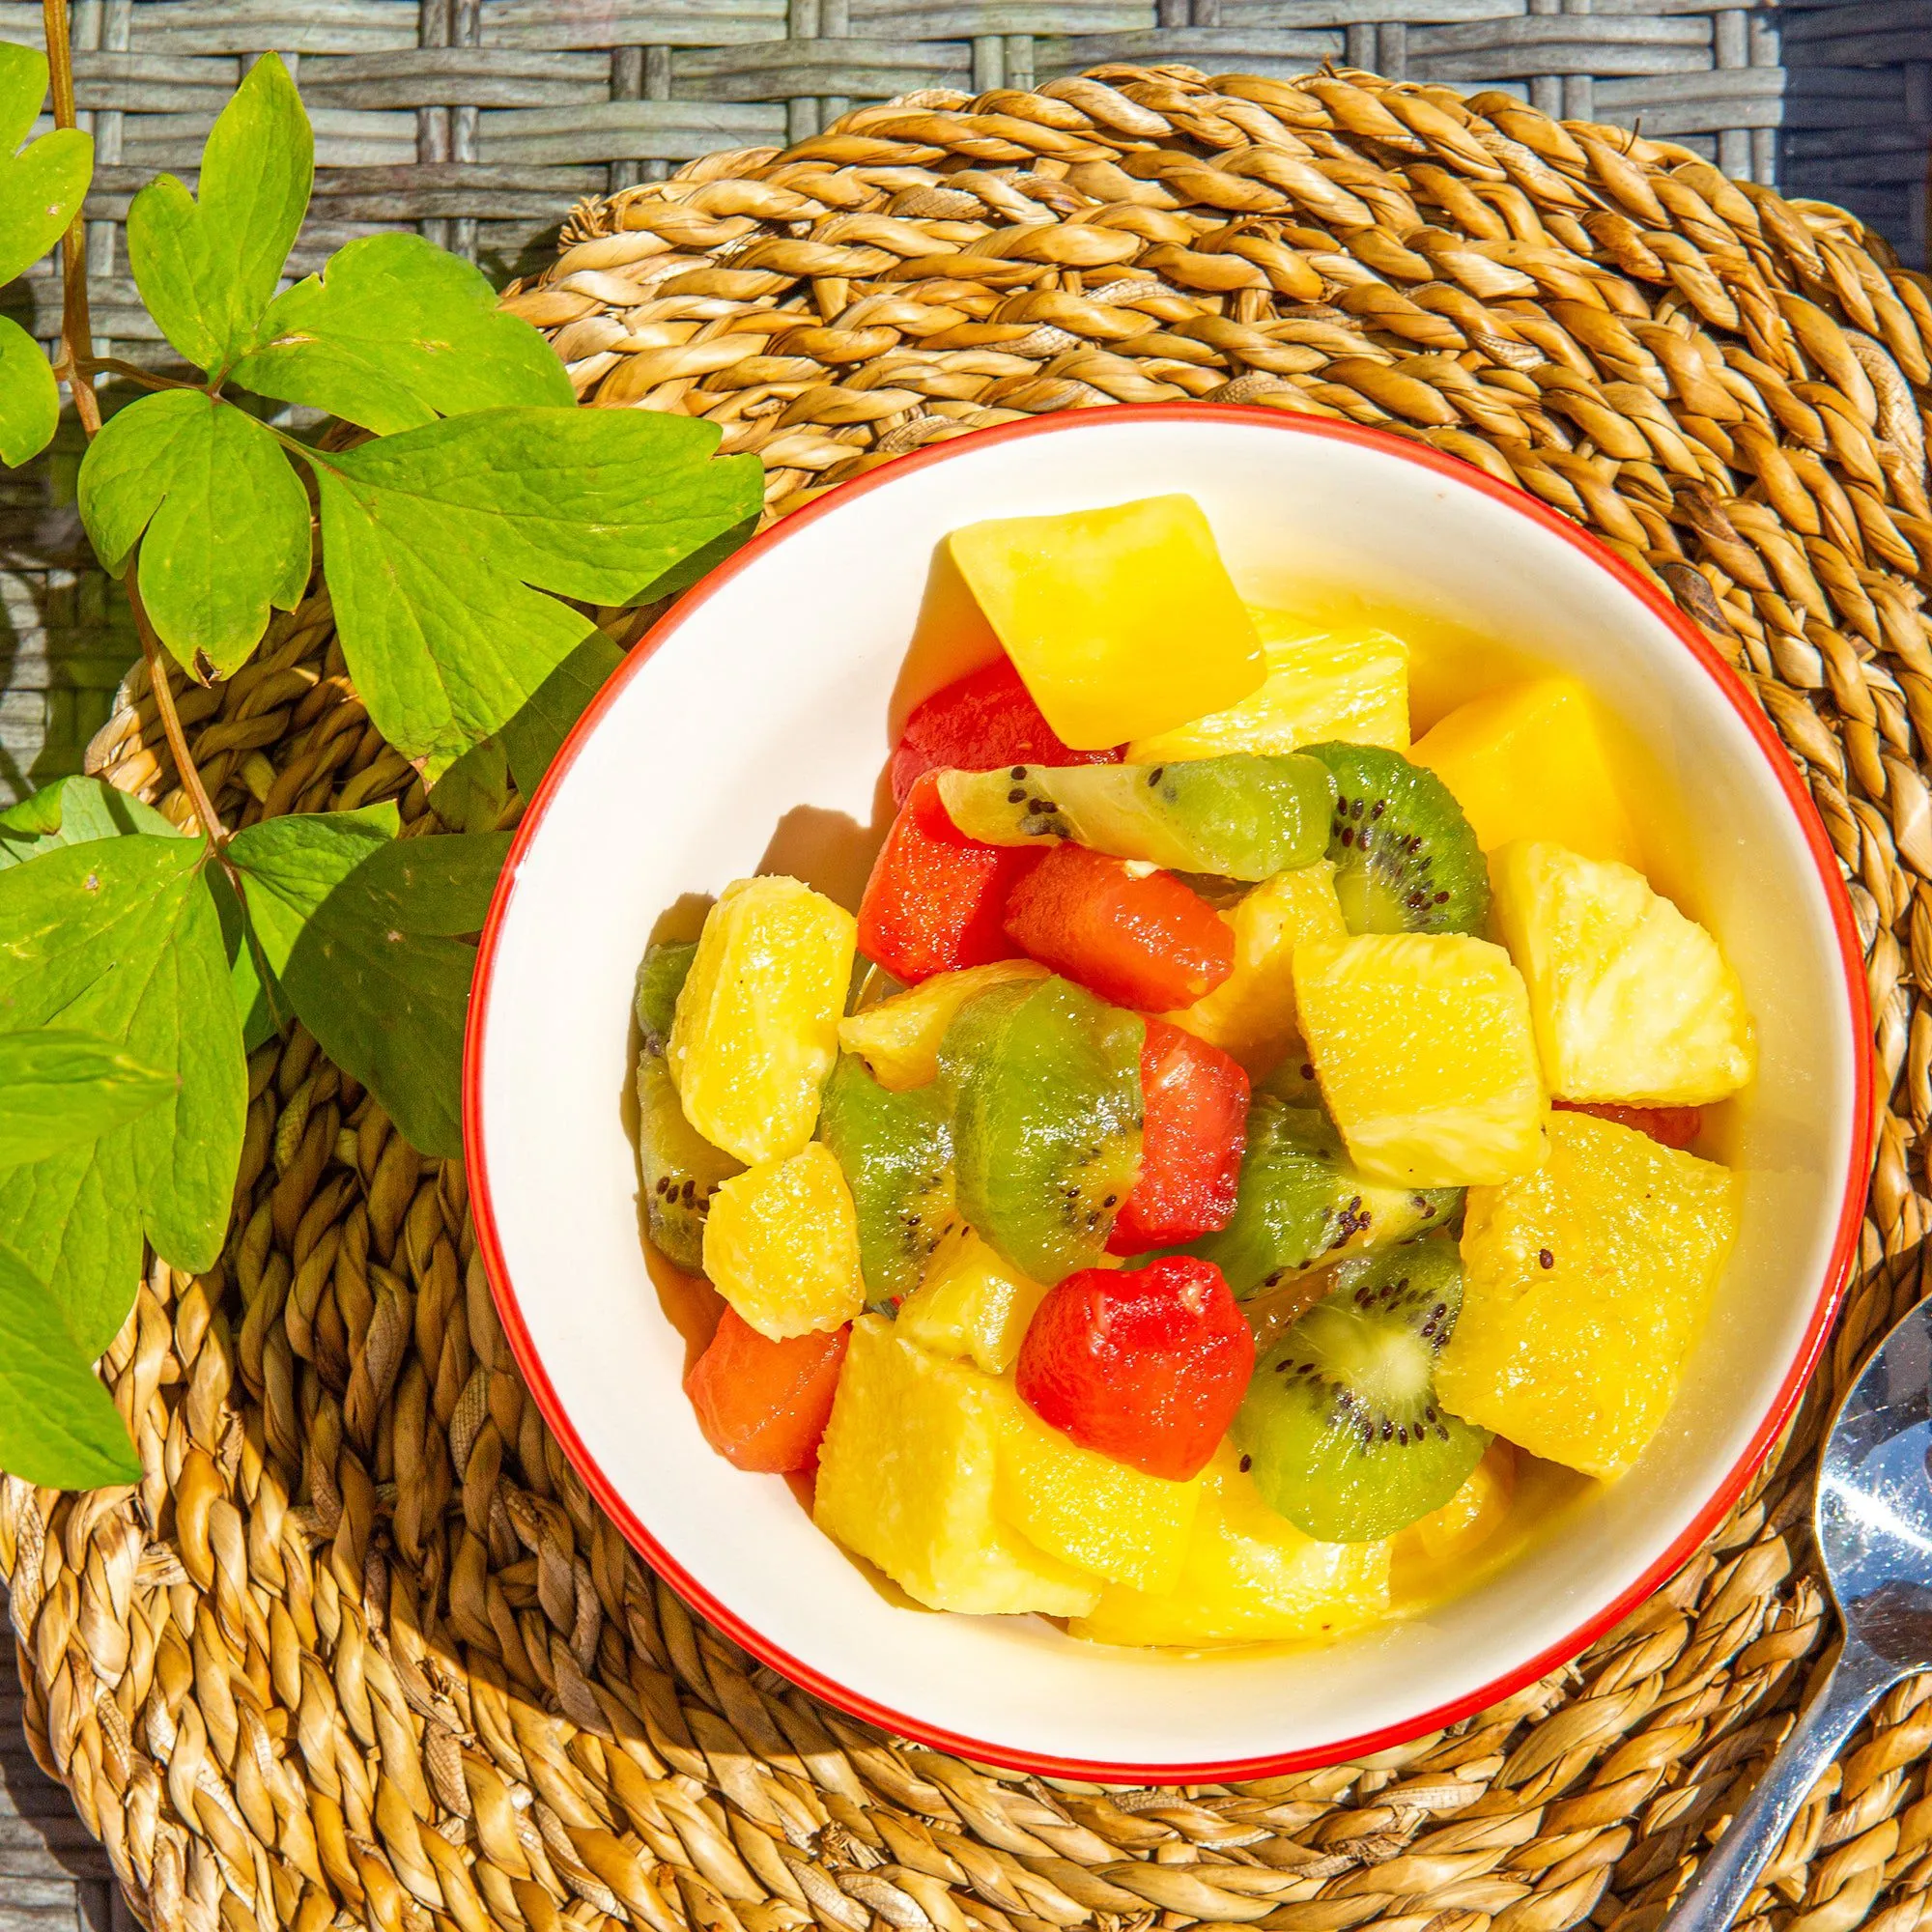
[(1341, 1425), (1242, 816), (1300, 1201), (660, 980), (1044, 1085), (681, 1169), (1406, 859), (895, 1151)]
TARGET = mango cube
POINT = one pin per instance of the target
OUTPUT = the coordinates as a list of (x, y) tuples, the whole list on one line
[(1251, 1013), (1631, 1000), (972, 1305), (1585, 1285), (757, 1028), (1248, 1577), (1121, 621), (898, 1038), (1086, 1508), (1529, 763), (1422, 1044), (905, 1479), (1350, 683), (781, 1244)]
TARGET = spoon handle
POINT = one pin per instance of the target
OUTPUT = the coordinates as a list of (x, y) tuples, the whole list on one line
[(1724, 1880)]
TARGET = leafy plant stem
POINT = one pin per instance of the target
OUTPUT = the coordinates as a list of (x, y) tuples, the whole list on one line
[(76, 346), (156, 654), (148, 379)]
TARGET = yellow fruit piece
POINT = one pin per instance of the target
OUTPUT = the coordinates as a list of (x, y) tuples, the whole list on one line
[(1251, 1013), (1086, 1508), (1350, 683), (1422, 1045), (1528, 762), (1631, 1000), (972, 1305), (1121, 621), (905, 1479), (781, 1244), (1248, 1577), (756, 1029), (898, 1038), (1577, 1361), (1470, 1516)]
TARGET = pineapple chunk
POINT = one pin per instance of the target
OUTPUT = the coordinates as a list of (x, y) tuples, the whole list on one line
[(1585, 1285), (1250, 1014), (756, 1029), (1631, 1000), (905, 1479), (1121, 621), (781, 1244), (1248, 1577), (1528, 762), (898, 1038), (1350, 684), (1422, 1045), (1470, 1516), (972, 1305), (1086, 1508)]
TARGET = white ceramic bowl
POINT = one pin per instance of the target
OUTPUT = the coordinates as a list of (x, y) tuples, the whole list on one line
[(760, 704)]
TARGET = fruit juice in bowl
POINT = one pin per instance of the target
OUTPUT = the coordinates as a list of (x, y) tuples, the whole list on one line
[(1256, 1182)]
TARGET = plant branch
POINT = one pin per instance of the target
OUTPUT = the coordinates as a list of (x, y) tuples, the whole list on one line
[(148, 379), (156, 656), (76, 345)]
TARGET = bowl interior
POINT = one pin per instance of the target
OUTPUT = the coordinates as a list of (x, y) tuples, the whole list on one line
[(753, 737)]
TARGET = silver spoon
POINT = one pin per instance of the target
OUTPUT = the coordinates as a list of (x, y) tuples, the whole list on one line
[(1873, 1519)]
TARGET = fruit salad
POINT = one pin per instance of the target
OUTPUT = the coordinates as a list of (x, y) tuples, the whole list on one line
[(1235, 1159)]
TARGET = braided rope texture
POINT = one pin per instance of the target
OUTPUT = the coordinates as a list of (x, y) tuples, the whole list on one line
[(479, 121), (361, 1652)]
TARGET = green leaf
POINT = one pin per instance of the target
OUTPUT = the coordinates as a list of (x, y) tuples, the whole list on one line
[(394, 333), (74, 812), (535, 735), (58, 1087), (362, 929), (207, 270), (29, 395), (57, 1425), (700, 563), (119, 937), (225, 521), (439, 542), (40, 187)]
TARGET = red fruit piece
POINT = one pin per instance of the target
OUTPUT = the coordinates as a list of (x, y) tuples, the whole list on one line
[(763, 1405), (936, 898), (979, 722), (1669, 1126), (1138, 939), (1145, 1365), (1196, 1125)]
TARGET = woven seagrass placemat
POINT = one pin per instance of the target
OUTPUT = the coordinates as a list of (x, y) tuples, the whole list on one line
[(362, 1652)]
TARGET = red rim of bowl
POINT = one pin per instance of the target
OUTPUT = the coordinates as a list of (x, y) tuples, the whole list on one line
[(1707, 1518)]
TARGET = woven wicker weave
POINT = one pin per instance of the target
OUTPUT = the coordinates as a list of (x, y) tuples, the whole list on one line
[(482, 120), (362, 1652)]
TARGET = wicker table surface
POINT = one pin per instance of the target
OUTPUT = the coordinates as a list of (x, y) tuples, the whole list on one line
[(360, 1651)]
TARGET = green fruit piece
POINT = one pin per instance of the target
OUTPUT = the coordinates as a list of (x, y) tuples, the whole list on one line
[(1300, 1201), (1341, 1423), (660, 980), (897, 1153), (1044, 1085), (681, 1169), (1406, 859), (1242, 816)]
